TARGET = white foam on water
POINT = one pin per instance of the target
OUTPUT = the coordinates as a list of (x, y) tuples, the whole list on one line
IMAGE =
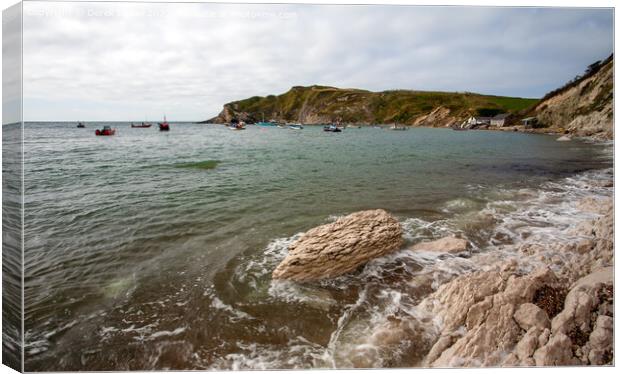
[(235, 314), (174, 332), (298, 293), (462, 204), (263, 264), (299, 353)]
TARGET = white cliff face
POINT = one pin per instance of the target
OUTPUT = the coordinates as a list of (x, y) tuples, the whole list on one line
[(585, 109)]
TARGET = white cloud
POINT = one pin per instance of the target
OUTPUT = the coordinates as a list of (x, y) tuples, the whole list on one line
[(124, 61)]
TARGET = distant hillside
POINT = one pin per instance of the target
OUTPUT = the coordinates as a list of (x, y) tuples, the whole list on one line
[(584, 106), (321, 104)]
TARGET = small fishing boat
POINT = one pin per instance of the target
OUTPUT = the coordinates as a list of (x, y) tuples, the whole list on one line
[(143, 125), (106, 131), (294, 126), (164, 126), (237, 126), (81, 125), (331, 128)]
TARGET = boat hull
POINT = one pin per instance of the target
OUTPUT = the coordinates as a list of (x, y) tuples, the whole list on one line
[(105, 132)]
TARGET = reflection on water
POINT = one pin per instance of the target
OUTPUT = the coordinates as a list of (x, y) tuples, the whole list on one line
[(151, 250)]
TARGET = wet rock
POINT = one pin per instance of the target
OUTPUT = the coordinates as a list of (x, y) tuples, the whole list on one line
[(448, 244), (340, 247), (529, 315)]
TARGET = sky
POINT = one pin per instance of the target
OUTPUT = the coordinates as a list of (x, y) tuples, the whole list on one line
[(137, 61)]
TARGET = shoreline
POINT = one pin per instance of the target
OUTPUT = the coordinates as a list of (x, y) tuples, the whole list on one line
[(550, 131)]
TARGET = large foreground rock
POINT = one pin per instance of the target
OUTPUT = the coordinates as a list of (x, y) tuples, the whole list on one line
[(337, 248)]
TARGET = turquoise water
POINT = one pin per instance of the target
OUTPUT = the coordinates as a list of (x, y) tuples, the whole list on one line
[(150, 250)]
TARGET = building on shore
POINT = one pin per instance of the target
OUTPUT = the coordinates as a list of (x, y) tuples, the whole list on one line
[(477, 121), (499, 120), (529, 122)]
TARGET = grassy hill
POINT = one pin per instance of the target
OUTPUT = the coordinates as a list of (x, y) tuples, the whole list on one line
[(322, 104)]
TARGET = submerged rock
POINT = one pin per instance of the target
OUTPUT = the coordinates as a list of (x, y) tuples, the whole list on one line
[(337, 248), (564, 138), (449, 244)]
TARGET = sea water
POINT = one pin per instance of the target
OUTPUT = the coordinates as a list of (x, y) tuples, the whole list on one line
[(153, 250)]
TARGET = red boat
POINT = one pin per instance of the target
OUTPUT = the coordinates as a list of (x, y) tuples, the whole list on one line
[(164, 126), (144, 125), (107, 131)]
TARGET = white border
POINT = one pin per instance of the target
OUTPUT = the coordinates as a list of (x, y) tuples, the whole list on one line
[(540, 3)]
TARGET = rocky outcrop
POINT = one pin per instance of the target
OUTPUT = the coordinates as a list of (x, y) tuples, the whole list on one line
[(584, 107), (448, 244), (340, 247), (509, 317)]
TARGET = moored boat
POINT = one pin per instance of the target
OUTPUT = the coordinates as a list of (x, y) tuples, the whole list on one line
[(106, 131), (294, 126), (164, 126), (143, 125), (331, 128), (237, 126), (81, 125)]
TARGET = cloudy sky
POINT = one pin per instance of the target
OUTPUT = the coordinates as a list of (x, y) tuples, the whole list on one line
[(131, 61)]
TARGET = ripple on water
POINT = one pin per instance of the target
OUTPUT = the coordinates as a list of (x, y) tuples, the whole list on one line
[(203, 165)]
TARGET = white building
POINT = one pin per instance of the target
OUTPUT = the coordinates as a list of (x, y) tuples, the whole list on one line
[(499, 120)]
